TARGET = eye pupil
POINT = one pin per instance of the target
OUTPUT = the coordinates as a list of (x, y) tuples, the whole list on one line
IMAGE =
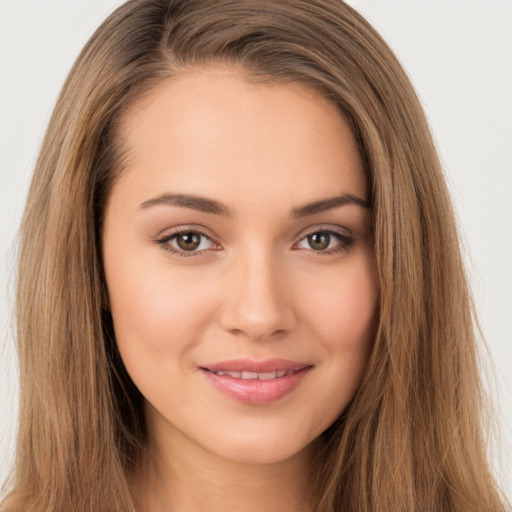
[(319, 241), (188, 241)]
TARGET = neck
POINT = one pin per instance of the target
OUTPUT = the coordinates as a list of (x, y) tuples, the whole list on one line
[(183, 477)]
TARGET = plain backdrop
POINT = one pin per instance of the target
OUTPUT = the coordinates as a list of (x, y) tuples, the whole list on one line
[(458, 54)]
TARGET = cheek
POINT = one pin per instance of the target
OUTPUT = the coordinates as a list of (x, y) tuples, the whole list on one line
[(156, 312), (343, 314), (343, 307)]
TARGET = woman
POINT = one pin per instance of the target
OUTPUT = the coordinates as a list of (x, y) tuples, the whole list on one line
[(240, 275)]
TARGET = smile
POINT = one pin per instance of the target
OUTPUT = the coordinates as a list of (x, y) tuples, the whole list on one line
[(255, 375), (256, 383)]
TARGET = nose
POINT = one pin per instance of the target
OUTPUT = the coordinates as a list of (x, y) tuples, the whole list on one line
[(258, 302)]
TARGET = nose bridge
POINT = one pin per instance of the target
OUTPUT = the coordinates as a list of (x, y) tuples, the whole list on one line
[(260, 303)]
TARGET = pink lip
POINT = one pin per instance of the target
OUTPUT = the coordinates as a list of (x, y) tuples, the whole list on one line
[(255, 391), (249, 365)]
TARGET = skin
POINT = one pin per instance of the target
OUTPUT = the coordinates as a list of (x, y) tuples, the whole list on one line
[(256, 288)]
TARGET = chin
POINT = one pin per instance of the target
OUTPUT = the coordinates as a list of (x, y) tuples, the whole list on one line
[(265, 446), (261, 453)]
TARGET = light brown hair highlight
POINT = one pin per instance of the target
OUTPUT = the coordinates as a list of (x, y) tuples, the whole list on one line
[(411, 440)]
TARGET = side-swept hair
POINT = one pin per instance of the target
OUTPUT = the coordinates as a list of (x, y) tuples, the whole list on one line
[(411, 440)]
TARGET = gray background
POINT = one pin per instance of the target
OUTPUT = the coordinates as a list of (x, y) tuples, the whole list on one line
[(459, 56)]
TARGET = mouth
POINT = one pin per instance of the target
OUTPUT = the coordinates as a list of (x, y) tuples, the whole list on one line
[(256, 382), (246, 375)]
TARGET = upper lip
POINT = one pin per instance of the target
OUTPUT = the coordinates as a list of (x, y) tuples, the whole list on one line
[(249, 365)]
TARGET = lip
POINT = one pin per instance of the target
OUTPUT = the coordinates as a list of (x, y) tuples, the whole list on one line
[(255, 391), (249, 365)]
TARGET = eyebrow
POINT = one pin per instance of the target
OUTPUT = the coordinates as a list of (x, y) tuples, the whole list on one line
[(201, 204), (214, 207), (329, 203)]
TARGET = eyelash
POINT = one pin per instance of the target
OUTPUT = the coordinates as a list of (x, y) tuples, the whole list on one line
[(164, 242), (344, 241)]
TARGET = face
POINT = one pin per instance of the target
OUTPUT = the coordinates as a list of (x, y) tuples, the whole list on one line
[(239, 263)]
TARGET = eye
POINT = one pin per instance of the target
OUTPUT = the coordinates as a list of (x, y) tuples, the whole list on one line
[(325, 241), (187, 241)]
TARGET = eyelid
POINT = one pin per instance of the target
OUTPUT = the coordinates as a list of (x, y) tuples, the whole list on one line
[(162, 239), (184, 228), (337, 230), (168, 234), (344, 236)]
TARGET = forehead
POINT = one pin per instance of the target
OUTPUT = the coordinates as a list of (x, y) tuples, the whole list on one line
[(214, 132)]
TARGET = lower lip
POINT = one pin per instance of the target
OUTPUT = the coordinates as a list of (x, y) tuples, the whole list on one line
[(257, 392)]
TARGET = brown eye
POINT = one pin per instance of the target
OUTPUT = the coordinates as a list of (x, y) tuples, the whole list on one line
[(319, 241), (325, 241), (188, 241)]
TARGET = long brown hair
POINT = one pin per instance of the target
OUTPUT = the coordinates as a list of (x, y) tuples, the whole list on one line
[(411, 440)]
